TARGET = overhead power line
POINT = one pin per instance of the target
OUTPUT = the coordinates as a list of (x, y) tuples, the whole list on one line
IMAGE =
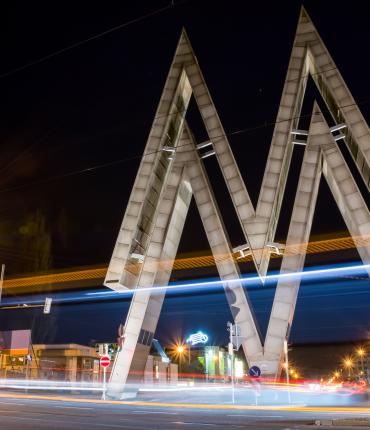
[(139, 156), (171, 5)]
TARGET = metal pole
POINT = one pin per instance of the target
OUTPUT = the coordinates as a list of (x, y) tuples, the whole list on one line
[(287, 367), (231, 353), (105, 372), (232, 378), (2, 279), (180, 356), (104, 382), (27, 365)]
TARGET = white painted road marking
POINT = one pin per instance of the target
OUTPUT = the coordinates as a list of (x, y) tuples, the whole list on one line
[(73, 407), (152, 412), (192, 423), (255, 416)]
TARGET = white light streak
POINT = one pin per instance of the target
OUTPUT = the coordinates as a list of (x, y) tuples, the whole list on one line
[(335, 271)]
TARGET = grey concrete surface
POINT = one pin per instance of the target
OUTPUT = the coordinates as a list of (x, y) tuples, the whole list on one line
[(25, 414)]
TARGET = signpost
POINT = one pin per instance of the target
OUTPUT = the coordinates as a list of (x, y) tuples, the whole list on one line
[(236, 336), (235, 340), (255, 372), (104, 363)]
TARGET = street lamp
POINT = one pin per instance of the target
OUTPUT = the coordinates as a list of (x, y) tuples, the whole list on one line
[(361, 353), (180, 350), (348, 363)]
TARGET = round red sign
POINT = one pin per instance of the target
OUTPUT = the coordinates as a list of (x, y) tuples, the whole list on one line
[(104, 361)]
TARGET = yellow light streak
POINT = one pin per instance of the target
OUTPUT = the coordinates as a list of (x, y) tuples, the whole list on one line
[(340, 410), (23, 284)]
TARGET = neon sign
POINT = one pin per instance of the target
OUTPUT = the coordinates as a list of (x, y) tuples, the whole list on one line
[(196, 338)]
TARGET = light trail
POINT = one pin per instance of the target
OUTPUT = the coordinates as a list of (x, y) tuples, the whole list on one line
[(34, 384), (201, 286), (348, 410), (23, 284), (308, 274)]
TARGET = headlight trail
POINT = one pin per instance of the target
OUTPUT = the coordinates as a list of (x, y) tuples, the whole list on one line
[(199, 286), (314, 274)]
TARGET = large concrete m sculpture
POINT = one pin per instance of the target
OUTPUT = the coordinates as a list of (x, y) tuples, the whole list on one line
[(172, 171)]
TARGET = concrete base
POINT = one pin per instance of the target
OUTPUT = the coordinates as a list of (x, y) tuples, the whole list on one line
[(122, 394)]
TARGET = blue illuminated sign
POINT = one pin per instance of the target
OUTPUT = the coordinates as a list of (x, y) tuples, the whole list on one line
[(196, 338)]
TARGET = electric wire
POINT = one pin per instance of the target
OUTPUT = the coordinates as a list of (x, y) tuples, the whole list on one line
[(171, 5), (135, 157), (139, 156)]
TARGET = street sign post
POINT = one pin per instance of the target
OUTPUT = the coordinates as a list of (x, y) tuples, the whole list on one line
[(255, 373), (104, 363), (256, 388), (235, 340), (236, 336)]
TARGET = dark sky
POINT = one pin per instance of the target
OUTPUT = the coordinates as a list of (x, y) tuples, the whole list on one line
[(94, 104)]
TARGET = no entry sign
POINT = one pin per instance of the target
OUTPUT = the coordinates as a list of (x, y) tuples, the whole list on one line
[(104, 361)]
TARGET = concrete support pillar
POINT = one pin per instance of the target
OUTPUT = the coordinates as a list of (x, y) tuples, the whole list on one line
[(71, 364), (148, 372), (171, 170)]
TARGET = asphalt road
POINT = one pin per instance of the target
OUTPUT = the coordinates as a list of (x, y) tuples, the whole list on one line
[(26, 413)]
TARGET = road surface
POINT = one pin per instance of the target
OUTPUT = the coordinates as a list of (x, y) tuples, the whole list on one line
[(26, 412)]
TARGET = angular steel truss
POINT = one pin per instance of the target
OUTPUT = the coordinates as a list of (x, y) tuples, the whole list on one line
[(172, 170)]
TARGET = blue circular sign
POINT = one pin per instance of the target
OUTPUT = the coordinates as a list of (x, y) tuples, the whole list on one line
[(255, 371)]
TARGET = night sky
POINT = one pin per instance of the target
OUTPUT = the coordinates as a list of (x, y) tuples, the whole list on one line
[(73, 127)]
